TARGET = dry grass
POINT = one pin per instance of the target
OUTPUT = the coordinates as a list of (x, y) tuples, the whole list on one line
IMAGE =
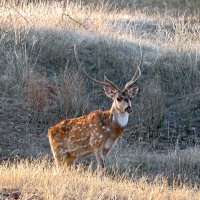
[(173, 7), (40, 180), (40, 85)]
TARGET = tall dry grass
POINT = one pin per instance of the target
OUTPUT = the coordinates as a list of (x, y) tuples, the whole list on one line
[(39, 180)]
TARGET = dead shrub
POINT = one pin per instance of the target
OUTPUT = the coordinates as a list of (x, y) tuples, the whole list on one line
[(71, 94), (40, 92), (151, 114)]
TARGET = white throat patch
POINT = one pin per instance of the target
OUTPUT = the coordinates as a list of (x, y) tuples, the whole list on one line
[(120, 118)]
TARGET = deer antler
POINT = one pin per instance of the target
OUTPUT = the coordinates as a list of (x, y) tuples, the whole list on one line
[(107, 82), (111, 83), (136, 75)]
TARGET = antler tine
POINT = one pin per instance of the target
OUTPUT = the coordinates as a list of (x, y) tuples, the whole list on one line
[(136, 75), (108, 83)]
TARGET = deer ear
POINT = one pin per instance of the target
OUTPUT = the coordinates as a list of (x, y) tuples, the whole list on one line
[(133, 91), (110, 93)]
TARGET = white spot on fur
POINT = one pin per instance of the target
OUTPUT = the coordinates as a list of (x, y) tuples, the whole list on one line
[(107, 129), (90, 125)]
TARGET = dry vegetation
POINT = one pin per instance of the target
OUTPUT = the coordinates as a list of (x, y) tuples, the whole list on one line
[(38, 180), (40, 84)]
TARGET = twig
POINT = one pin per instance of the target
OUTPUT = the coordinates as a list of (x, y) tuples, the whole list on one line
[(19, 13), (80, 24)]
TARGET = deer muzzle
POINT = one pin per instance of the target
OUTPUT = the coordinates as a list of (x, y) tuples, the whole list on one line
[(128, 109)]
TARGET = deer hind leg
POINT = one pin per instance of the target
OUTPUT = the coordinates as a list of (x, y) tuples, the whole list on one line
[(64, 160), (100, 159), (58, 160), (69, 161)]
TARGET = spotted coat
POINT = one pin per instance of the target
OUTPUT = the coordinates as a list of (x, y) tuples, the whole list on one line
[(78, 137)]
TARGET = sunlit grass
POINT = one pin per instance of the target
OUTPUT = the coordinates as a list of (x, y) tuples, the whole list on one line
[(180, 33), (42, 179)]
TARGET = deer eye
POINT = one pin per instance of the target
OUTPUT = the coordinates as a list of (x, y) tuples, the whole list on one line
[(119, 98)]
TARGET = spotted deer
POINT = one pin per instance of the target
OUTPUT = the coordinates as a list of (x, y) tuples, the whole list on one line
[(97, 131)]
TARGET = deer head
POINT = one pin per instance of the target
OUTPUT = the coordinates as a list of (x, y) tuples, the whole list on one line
[(121, 97)]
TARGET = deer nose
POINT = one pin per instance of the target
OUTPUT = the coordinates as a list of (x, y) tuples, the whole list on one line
[(128, 109)]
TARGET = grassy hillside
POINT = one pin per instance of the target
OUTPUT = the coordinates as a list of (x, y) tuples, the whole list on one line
[(40, 84), (40, 74)]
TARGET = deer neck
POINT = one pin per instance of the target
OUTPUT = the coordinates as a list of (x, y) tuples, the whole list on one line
[(118, 117)]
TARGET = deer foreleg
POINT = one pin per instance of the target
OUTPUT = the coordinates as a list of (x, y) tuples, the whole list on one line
[(107, 146), (100, 159)]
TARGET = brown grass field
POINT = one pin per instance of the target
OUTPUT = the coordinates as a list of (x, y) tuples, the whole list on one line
[(158, 157), (38, 180)]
